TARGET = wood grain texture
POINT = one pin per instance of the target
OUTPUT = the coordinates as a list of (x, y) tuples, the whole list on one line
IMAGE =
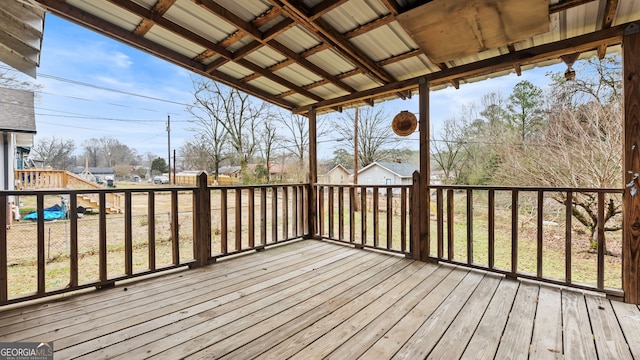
[(316, 299), (631, 199)]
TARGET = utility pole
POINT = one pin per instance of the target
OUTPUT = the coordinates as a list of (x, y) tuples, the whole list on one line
[(169, 145)]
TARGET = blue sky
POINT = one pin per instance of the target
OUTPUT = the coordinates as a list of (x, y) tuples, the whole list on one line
[(66, 109)]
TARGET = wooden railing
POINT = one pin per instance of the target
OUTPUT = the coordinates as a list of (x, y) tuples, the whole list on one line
[(538, 227), (367, 216), (521, 232), (62, 179), (160, 229)]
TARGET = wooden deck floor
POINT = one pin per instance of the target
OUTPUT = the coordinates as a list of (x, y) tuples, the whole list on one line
[(313, 299)]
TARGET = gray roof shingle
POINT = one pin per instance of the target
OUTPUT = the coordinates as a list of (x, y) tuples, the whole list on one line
[(16, 111), (401, 168)]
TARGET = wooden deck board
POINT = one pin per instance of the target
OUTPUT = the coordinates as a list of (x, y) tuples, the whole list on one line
[(610, 343), (628, 316), (578, 342), (314, 299), (547, 329)]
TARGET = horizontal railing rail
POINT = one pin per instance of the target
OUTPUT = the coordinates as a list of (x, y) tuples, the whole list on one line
[(159, 229)]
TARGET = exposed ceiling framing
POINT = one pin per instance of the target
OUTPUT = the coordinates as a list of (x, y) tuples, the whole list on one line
[(331, 53)]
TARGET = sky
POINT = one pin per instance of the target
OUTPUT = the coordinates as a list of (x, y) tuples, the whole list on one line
[(93, 86)]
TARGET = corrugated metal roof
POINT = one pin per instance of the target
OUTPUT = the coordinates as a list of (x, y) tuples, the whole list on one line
[(325, 52)]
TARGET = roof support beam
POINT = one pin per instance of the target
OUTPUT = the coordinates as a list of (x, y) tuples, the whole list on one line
[(160, 8), (78, 16), (234, 20), (609, 15), (327, 33), (533, 55)]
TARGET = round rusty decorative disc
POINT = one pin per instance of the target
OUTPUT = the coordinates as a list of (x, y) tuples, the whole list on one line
[(404, 123)]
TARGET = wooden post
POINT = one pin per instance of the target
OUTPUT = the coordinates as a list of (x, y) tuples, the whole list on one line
[(425, 169), (313, 174), (631, 154), (202, 200)]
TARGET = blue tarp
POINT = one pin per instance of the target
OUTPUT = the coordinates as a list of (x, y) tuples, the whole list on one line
[(51, 213)]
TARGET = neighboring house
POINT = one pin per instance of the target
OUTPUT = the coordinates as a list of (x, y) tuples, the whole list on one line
[(387, 173), (18, 126), (95, 174), (337, 175), (231, 171)]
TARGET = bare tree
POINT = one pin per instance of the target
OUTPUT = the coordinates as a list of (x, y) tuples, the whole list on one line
[(91, 151), (579, 149), (54, 152), (202, 154), (448, 150), (295, 138), (238, 116), (268, 141), (375, 136)]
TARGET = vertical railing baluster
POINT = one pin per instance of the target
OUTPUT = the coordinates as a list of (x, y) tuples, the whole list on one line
[(224, 230), (440, 221), (352, 214), (296, 210), (450, 227), (128, 235), (514, 231), (403, 220), (175, 228), (363, 215), (151, 220), (251, 202), (341, 213), (389, 218), (274, 214), (376, 218), (238, 219), (4, 283), (285, 212), (491, 227), (567, 230), (321, 210), (41, 244), (73, 240), (263, 215), (601, 240), (330, 205), (102, 237), (540, 223), (469, 226)]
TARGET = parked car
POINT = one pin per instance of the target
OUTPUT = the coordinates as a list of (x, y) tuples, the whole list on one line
[(160, 180)]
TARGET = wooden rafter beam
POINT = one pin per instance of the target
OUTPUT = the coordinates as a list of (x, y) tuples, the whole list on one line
[(392, 6), (259, 37), (374, 24), (244, 27), (144, 13), (578, 44), (324, 7), (610, 9), (78, 16), (160, 8), (327, 33), (566, 4)]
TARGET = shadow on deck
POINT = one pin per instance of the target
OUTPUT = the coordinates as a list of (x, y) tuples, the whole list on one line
[(314, 299)]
